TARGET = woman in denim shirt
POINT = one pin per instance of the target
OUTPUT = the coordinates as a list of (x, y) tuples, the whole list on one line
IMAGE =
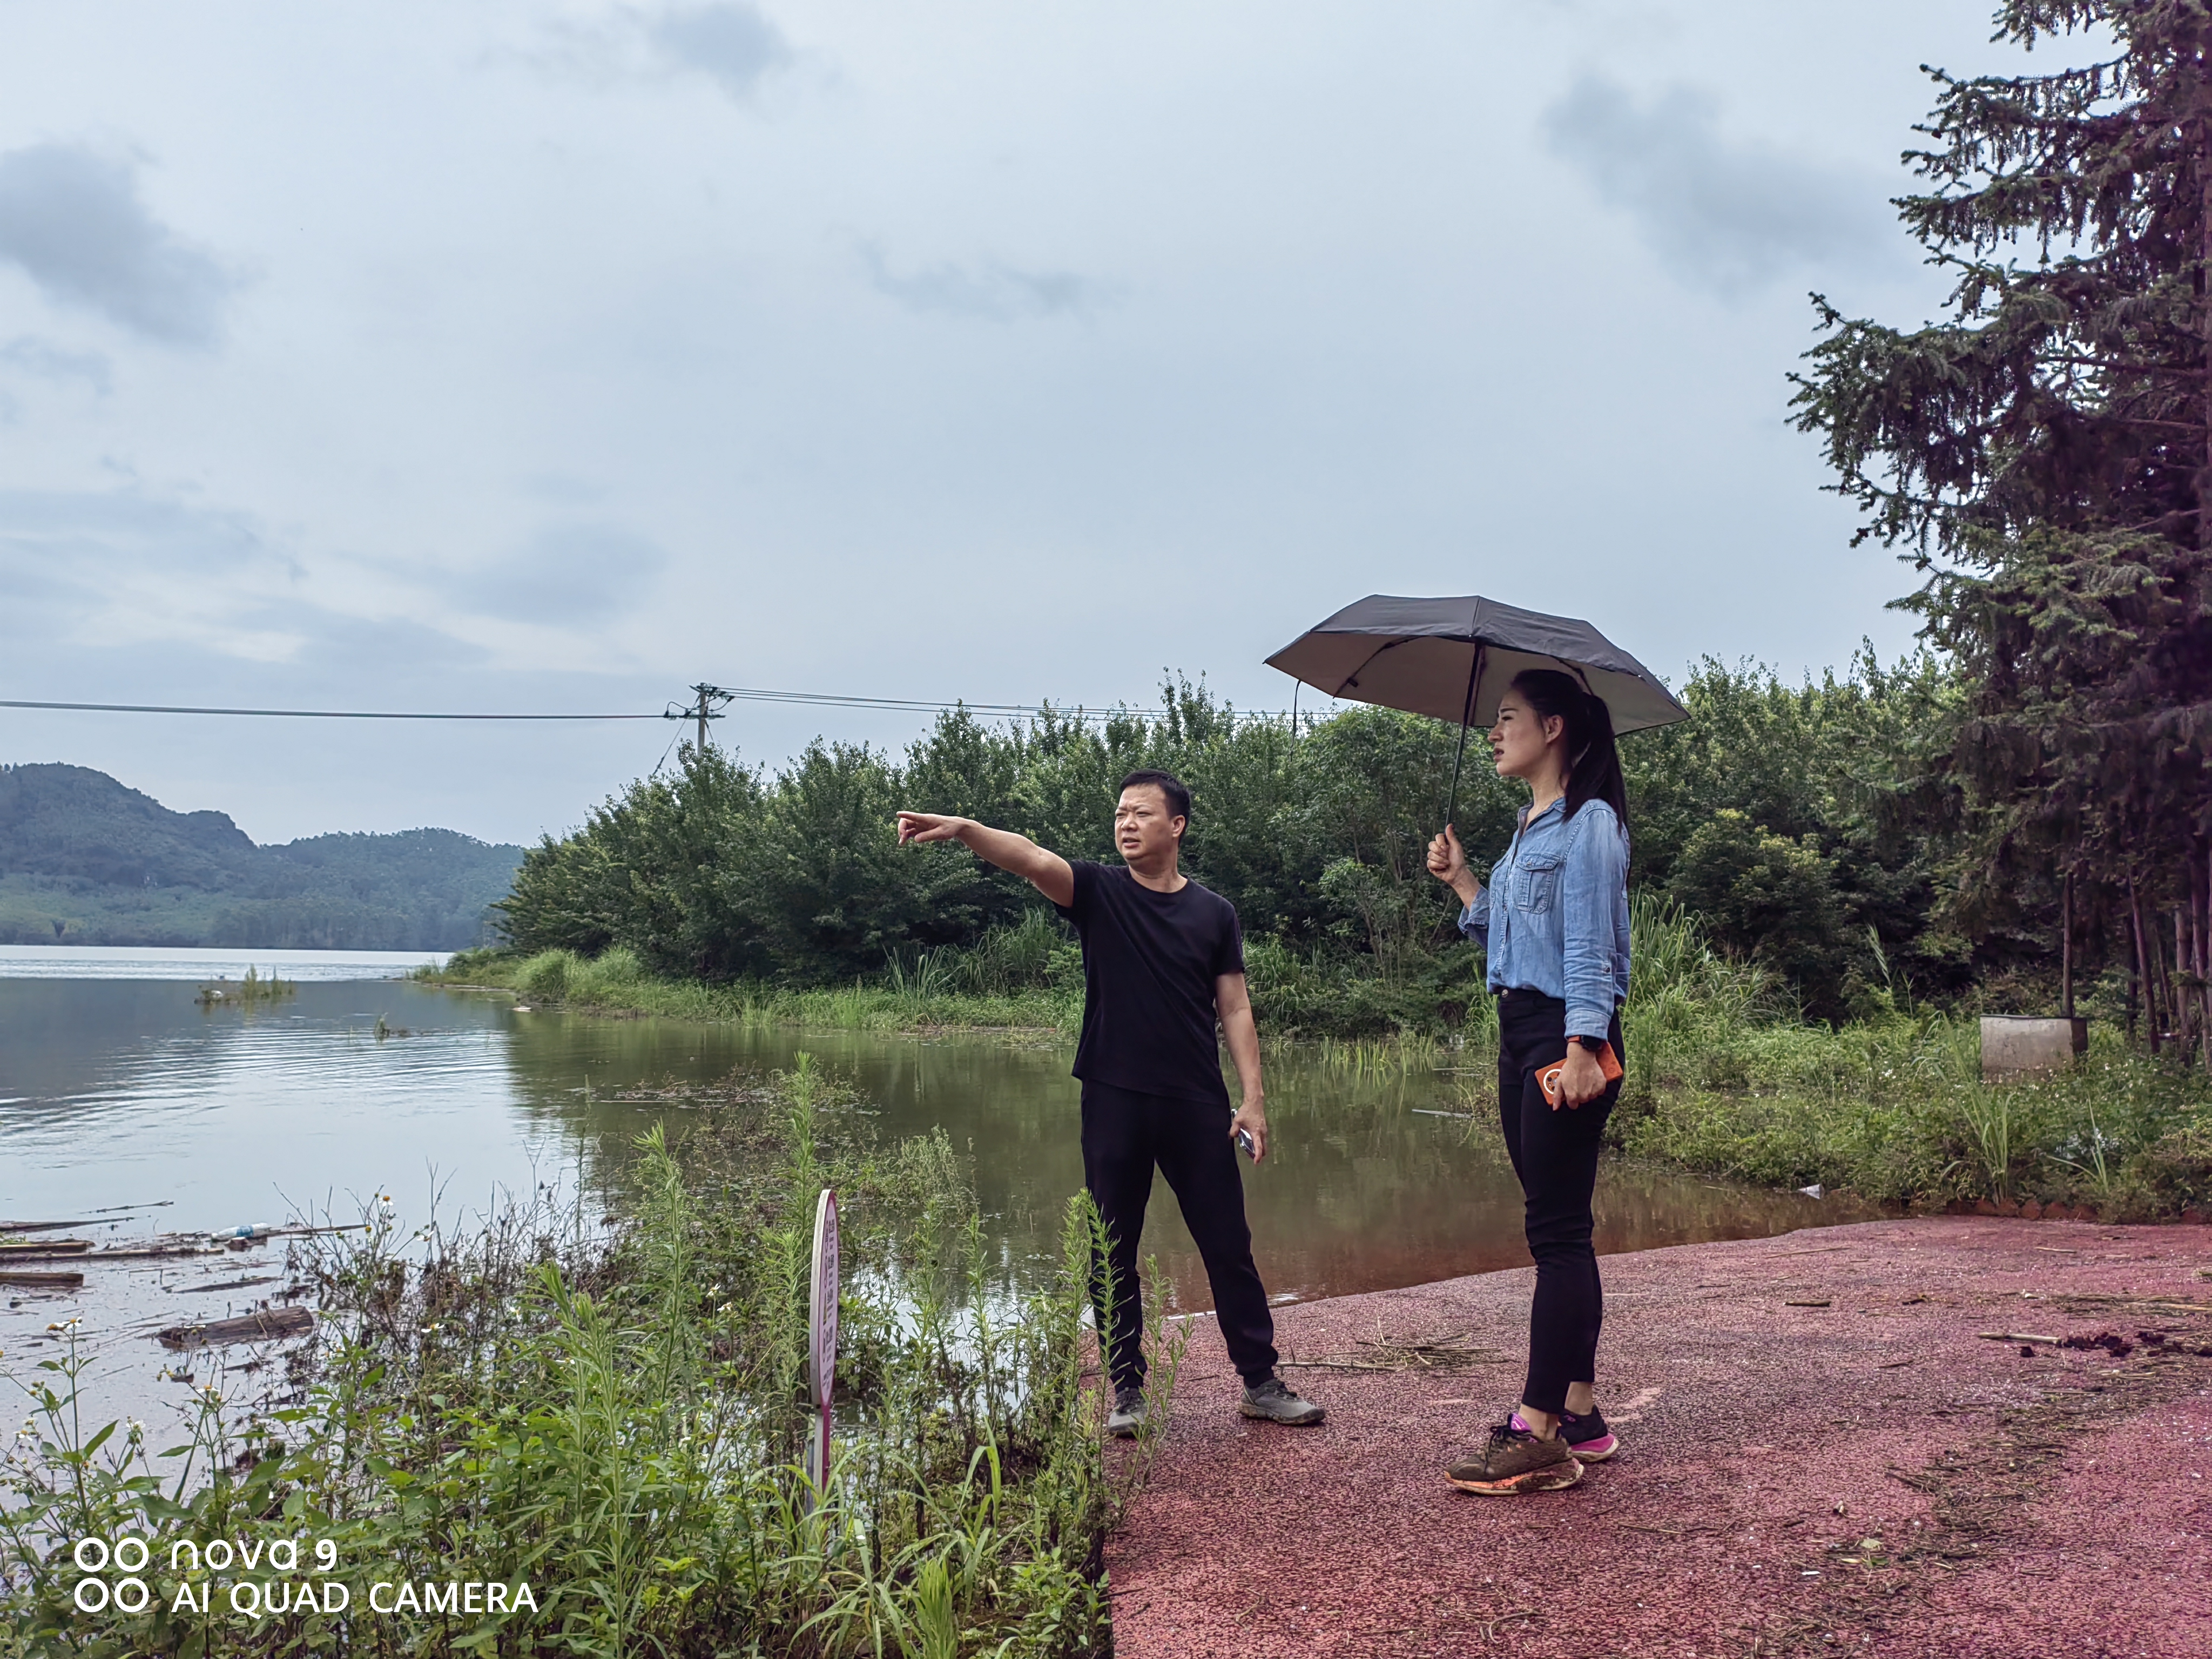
[(1554, 921)]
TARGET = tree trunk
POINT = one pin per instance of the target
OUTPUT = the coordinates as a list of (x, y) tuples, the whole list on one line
[(2066, 946), (2133, 979), (2143, 976), (2204, 955), (2200, 943), (2177, 1014), (2204, 287)]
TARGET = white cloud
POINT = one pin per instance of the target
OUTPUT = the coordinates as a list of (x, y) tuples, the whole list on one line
[(991, 291), (44, 360), (73, 221), (732, 44), (125, 567), (1722, 214), (567, 575)]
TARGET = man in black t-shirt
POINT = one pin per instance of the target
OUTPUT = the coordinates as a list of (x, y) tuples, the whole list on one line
[(1163, 965)]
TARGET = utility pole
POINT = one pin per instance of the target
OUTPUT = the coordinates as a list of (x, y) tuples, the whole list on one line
[(707, 706)]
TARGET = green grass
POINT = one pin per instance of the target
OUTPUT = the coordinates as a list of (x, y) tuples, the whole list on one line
[(613, 982), (616, 1416), (1898, 1112), (1723, 1077)]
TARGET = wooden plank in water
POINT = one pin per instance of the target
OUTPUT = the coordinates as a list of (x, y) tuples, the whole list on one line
[(172, 1245), (226, 1285), (41, 1281), (10, 1251), (50, 1226), (271, 1325)]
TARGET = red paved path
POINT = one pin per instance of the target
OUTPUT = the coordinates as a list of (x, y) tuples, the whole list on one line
[(2057, 1505)]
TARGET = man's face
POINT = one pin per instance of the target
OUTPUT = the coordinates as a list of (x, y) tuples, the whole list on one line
[(1143, 829)]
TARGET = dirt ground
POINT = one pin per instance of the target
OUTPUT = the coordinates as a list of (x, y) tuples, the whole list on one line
[(1822, 1454)]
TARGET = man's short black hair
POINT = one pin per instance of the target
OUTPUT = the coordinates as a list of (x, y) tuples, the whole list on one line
[(1169, 785)]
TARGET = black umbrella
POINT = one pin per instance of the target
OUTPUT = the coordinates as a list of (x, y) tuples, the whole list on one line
[(1453, 658)]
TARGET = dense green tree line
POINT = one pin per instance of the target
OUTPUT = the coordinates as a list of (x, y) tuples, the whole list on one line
[(1802, 822)]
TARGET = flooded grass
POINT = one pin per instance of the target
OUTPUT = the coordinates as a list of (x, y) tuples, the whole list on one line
[(252, 990), (614, 1417), (1724, 1076), (907, 999)]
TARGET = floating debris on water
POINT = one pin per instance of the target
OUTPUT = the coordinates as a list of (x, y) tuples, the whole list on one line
[(271, 1325)]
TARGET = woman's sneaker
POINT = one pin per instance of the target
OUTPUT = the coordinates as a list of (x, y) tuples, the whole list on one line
[(1588, 1438), (1515, 1461)]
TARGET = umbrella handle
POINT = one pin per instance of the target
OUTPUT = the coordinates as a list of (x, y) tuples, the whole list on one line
[(1466, 719)]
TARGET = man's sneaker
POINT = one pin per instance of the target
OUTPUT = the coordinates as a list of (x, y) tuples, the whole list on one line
[(1275, 1400), (1127, 1415), (1515, 1460), (1588, 1438)]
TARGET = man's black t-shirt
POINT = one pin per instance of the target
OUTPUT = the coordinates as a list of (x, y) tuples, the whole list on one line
[(1149, 964)]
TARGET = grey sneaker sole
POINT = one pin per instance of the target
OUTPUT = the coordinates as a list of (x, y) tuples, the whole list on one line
[(1305, 1417), (1553, 1477), (1123, 1425)]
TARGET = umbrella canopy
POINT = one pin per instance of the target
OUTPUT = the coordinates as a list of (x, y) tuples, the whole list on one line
[(1453, 658)]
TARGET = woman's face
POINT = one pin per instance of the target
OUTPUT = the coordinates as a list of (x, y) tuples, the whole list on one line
[(1520, 737)]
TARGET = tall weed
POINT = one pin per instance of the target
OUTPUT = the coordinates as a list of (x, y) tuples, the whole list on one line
[(618, 1422)]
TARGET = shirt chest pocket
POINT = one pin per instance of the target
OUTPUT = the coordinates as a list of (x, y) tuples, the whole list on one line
[(1537, 882)]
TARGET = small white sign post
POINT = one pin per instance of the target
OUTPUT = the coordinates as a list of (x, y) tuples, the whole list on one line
[(822, 1341)]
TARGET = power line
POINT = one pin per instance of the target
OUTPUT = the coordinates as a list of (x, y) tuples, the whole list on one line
[(909, 705), (306, 714), (709, 694), (904, 705)]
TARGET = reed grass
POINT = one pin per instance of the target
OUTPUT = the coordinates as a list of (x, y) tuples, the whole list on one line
[(252, 990), (618, 1421), (1397, 1055)]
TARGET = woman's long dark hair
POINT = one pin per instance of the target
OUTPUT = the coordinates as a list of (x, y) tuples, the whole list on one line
[(1593, 762)]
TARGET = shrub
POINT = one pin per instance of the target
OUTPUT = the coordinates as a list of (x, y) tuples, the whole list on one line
[(547, 973)]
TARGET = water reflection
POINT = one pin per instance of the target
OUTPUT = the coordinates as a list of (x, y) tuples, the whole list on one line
[(1365, 1189), (123, 1091)]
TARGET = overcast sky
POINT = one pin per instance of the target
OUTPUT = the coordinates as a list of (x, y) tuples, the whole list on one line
[(513, 356)]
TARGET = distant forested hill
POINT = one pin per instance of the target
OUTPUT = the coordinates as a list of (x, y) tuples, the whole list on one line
[(85, 861)]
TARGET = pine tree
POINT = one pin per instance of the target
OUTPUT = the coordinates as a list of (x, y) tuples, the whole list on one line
[(2044, 452)]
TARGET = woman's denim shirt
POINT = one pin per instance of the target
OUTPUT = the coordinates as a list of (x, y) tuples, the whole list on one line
[(1555, 915)]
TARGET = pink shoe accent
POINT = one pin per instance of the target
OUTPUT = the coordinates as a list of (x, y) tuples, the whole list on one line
[(1596, 1450)]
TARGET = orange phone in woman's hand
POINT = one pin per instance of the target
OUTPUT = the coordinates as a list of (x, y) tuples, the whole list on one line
[(1548, 1078)]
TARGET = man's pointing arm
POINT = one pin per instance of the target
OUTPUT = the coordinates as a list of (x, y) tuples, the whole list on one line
[(1047, 871)]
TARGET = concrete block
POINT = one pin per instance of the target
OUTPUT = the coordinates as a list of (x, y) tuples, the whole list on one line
[(2016, 1044)]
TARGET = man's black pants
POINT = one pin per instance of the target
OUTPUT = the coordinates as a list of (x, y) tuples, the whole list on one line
[(1125, 1134), (1555, 1154)]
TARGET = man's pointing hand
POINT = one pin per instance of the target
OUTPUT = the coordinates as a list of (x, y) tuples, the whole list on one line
[(928, 826)]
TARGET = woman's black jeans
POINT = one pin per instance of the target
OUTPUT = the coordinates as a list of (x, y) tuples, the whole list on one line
[(1555, 1154)]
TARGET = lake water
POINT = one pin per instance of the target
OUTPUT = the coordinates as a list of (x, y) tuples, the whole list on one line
[(117, 1090)]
